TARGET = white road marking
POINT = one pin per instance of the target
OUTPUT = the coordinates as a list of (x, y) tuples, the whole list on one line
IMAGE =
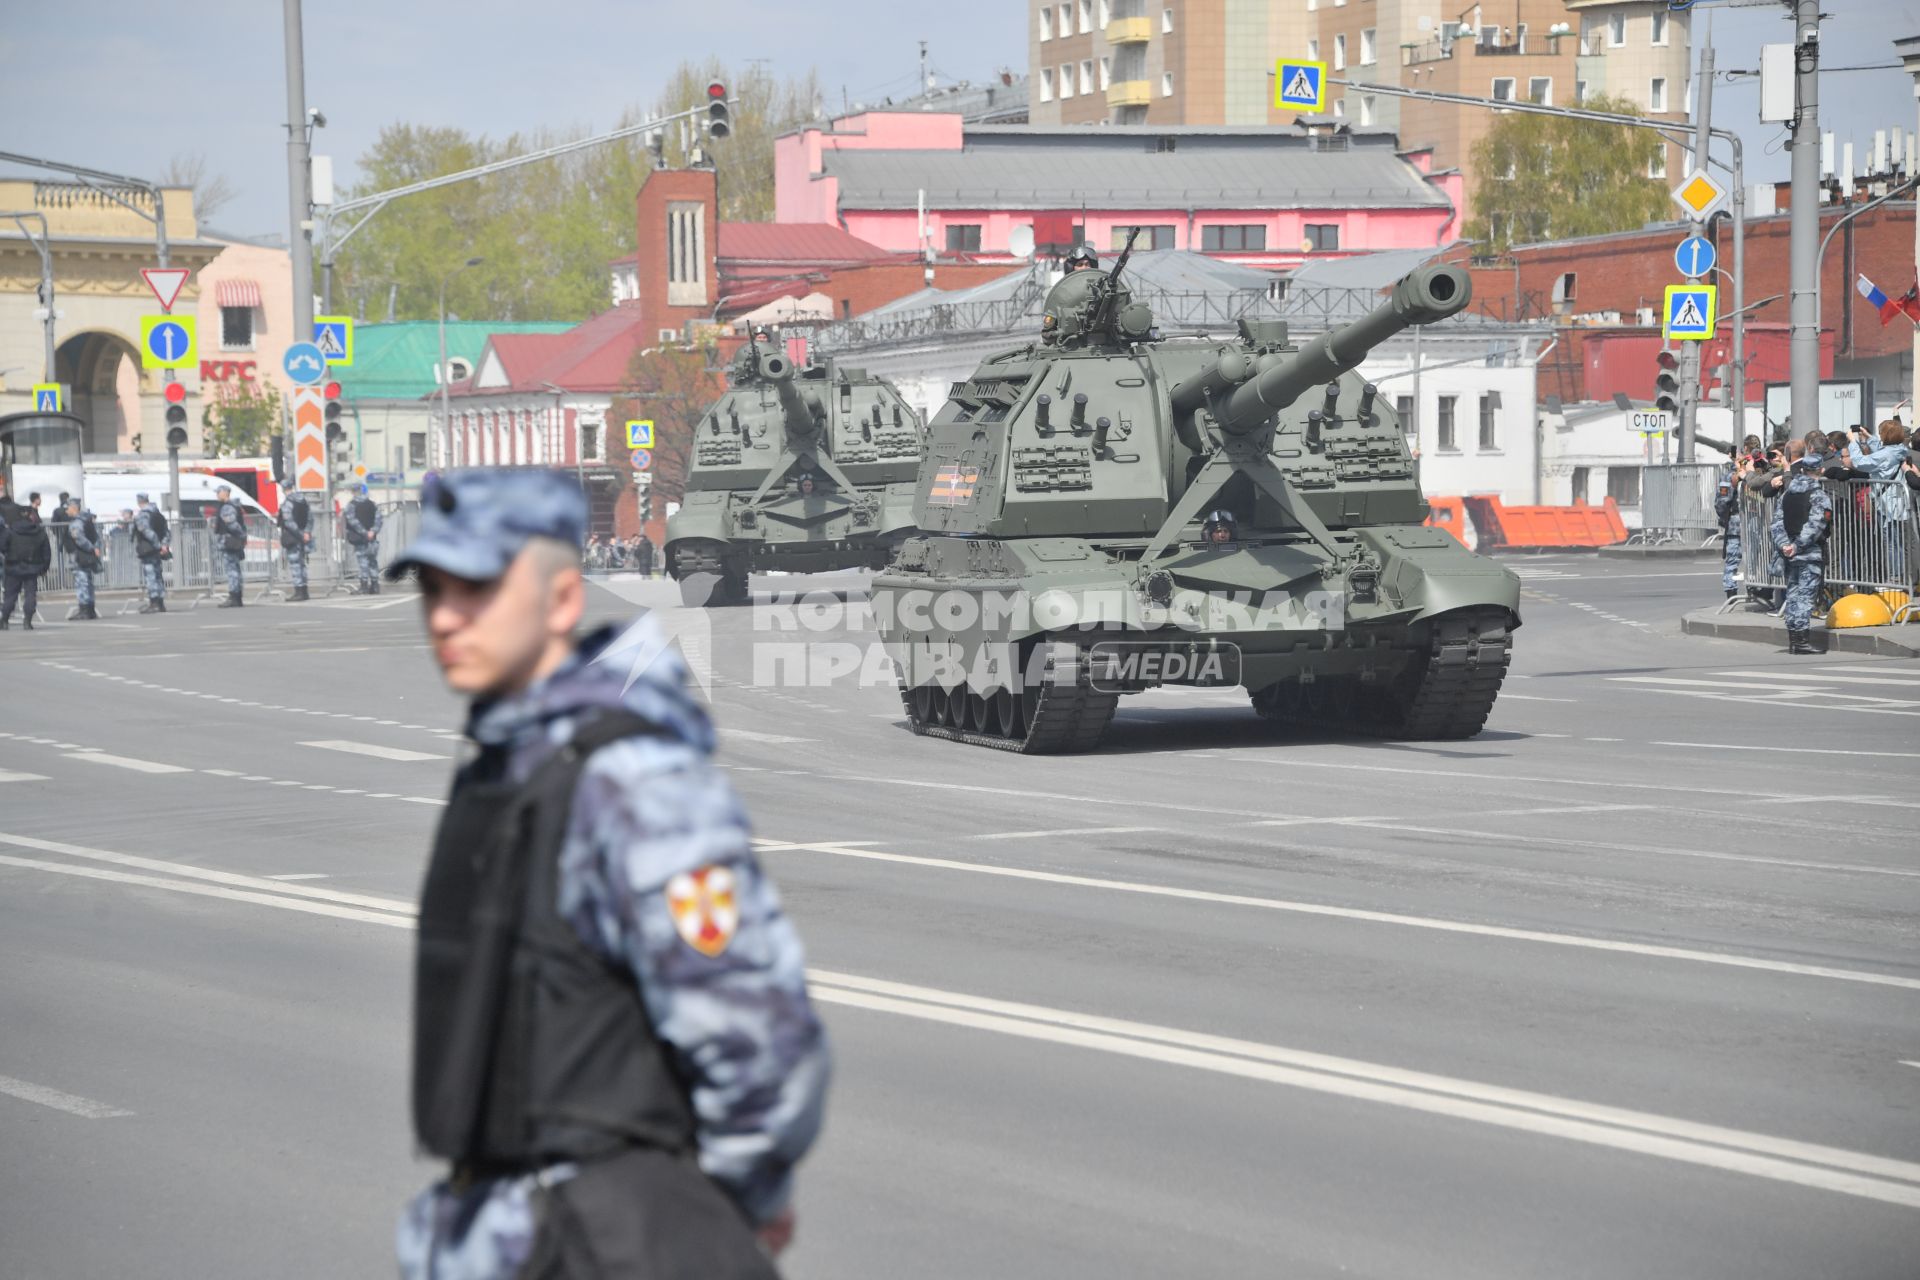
[(301, 875), (1062, 831), (8, 775), (1799, 751), (223, 773), (123, 762), (228, 878), (1437, 924), (72, 1104), (747, 735), (422, 800), (1759, 1155), (1528, 697), (369, 749), (1817, 679), (213, 891)]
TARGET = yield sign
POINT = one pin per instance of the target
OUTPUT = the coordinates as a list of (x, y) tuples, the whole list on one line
[(166, 283)]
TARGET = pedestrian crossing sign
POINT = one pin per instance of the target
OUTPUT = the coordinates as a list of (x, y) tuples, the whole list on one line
[(640, 434), (334, 336), (1300, 85), (1690, 311), (49, 397)]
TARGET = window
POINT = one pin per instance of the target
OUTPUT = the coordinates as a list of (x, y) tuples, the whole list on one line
[(590, 442), (1066, 81), (1066, 20), (1657, 167), (1106, 14), (462, 370), (1447, 441), (1489, 433), (1563, 289), (1166, 21), (416, 448), (1617, 30), (1659, 27), (1657, 94), (1086, 75), (1340, 52), (1233, 239), (1540, 90), (686, 254), (236, 328), (963, 237), (1312, 5), (1323, 237), (1106, 72), (1503, 89), (1577, 490), (1046, 84), (1579, 93), (1369, 47), (1166, 84), (1366, 111), (1340, 107), (1623, 485), (1046, 23), (1403, 405), (1313, 50), (1086, 15), (1160, 237)]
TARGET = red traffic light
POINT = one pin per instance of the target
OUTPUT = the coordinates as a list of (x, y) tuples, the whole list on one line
[(331, 391), (176, 392), (716, 89), (1667, 360)]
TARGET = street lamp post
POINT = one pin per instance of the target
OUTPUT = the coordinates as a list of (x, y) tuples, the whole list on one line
[(446, 372)]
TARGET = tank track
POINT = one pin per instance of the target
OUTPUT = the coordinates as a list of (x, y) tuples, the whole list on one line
[(689, 562), (1067, 713), (1447, 699)]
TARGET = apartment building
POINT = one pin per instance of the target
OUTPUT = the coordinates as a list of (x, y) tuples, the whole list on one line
[(1160, 62)]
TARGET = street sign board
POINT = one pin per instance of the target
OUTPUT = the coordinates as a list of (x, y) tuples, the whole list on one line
[(1650, 422), (385, 479), (166, 283), (334, 336), (1695, 257), (166, 342), (1689, 312), (640, 434), (304, 364), (641, 459), (49, 397), (309, 439), (1699, 194), (1300, 85)]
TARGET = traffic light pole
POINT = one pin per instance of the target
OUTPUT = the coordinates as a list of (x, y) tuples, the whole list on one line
[(1803, 250), (299, 177), (1690, 351)]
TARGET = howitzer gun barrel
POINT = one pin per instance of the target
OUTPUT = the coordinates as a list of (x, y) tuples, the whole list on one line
[(1423, 296), (796, 406)]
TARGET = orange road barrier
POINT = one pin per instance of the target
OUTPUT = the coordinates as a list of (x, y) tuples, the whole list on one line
[(1487, 524)]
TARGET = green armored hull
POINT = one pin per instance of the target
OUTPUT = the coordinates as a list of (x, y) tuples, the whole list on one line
[(1103, 512), (796, 470)]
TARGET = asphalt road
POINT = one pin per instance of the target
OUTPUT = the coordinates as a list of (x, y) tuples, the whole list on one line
[(1626, 986)]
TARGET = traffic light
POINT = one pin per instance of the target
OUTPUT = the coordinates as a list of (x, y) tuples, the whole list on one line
[(176, 415), (1666, 383), (719, 114), (279, 459), (339, 451), (1722, 377)]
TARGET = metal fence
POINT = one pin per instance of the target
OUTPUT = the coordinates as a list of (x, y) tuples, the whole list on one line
[(1676, 504), (1872, 543)]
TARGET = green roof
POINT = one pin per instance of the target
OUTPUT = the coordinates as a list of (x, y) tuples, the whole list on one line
[(396, 361)]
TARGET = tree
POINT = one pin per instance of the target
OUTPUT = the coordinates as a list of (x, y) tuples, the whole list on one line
[(238, 418), (673, 386), (763, 109), (1541, 177), (211, 193)]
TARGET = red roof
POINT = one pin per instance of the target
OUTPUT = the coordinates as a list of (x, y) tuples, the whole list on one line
[(793, 243), (592, 356)]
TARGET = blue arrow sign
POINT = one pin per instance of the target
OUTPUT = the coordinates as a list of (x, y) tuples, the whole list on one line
[(168, 341), (304, 364), (1695, 256)]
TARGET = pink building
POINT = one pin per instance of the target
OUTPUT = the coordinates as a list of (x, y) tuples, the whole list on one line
[(1267, 197)]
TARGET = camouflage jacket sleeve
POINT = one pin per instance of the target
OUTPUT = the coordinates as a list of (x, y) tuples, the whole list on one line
[(737, 1020)]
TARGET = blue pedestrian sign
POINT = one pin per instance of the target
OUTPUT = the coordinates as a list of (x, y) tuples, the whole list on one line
[(1695, 257), (1300, 85), (1689, 311), (304, 364), (640, 434), (48, 397), (334, 336), (166, 342)]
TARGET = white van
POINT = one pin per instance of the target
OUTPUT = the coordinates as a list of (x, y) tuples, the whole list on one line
[(108, 493)]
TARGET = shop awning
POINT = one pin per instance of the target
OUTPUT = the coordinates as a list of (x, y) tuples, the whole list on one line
[(238, 293)]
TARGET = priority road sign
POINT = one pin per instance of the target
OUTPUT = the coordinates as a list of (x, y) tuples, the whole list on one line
[(1299, 84), (334, 336), (642, 459), (166, 342), (166, 283), (304, 363), (1695, 257), (1689, 312), (640, 434), (49, 397), (1699, 195)]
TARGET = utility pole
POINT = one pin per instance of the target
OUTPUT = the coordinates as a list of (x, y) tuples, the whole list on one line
[(923, 68), (1804, 243), (1690, 351), (299, 206)]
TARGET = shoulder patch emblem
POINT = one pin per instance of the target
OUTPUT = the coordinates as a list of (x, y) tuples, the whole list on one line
[(703, 907)]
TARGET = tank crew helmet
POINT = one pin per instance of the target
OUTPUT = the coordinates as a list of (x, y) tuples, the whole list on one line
[(804, 482), (1219, 527), (1082, 257)]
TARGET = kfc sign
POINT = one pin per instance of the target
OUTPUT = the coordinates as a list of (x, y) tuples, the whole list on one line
[(229, 370)]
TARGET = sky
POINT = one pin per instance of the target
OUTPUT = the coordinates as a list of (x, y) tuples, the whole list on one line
[(208, 77)]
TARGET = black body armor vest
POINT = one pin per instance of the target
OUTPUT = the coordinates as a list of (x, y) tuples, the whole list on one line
[(529, 1048), (1796, 508)]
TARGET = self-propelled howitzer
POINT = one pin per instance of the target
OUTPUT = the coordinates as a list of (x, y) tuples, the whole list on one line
[(1102, 512), (802, 469)]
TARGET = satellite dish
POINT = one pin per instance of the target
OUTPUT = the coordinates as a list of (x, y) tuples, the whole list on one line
[(1020, 242)]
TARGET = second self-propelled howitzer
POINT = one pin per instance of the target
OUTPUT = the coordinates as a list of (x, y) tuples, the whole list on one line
[(1103, 511), (802, 469)]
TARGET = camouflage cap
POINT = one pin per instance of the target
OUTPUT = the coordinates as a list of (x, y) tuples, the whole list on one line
[(473, 522)]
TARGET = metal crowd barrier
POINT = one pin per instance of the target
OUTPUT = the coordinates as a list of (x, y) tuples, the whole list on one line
[(1872, 546), (1676, 504)]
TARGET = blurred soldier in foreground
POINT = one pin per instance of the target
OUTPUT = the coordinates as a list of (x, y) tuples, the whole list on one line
[(28, 555), (150, 534), (647, 1124), (296, 537), (1800, 522), (81, 536), (364, 523), (230, 533)]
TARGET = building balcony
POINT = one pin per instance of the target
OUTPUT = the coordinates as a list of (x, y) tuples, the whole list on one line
[(1129, 93), (1129, 31)]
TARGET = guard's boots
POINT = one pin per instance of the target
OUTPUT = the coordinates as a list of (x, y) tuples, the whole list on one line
[(1800, 642), (6, 622), (26, 623), (232, 601), (299, 594)]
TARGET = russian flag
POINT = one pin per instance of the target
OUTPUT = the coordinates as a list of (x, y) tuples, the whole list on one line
[(1886, 306)]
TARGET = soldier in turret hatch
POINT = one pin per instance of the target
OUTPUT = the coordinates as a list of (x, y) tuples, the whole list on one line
[(1068, 298), (1219, 529), (805, 485)]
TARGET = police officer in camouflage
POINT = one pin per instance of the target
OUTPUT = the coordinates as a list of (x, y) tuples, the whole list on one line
[(152, 547), (81, 538), (1800, 522), (295, 522), (364, 522), (648, 1124), (229, 534)]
